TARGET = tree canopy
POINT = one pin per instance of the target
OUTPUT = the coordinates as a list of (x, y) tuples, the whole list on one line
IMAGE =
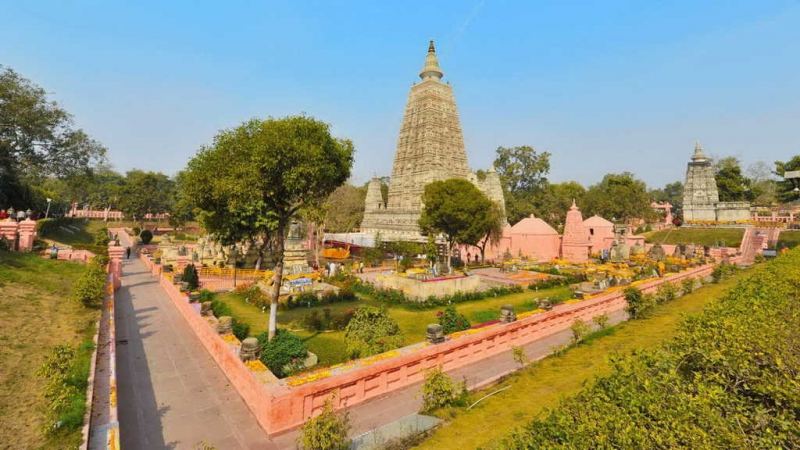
[(256, 178), (457, 209), (146, 192), (523, 175), (37, 140), (618, 197), (731, 182), (785, 188)]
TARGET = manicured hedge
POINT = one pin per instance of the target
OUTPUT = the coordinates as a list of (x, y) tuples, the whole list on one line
[(729, 379), (395, 296)]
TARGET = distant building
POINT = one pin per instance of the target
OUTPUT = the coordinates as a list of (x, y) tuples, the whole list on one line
[(701, 197), (430, 148)]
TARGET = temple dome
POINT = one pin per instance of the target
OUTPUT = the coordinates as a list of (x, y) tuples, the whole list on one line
[(597, 222), (533, 225)]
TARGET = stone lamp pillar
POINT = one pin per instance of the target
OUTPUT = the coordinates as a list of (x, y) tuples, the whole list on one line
[(8, 232), (115, 253), (27, 234)]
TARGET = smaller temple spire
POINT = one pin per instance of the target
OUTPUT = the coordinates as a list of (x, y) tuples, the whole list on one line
[(431, 68), (574, 206), (698, 152)]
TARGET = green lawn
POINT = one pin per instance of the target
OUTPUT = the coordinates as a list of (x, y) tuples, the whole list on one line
[(36, 314), (330, 346), (541, 385), (788, 239), (730, 237), (84, 235)]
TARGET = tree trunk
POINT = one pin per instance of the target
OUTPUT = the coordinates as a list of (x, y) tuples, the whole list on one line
[(318, 236), (449, 257), (276, 281)]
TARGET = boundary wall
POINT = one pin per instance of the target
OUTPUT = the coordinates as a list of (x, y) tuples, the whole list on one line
[(286, 404)]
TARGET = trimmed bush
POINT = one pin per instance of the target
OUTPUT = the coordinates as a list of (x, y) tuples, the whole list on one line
[(451, 320), (580, 330), (639, 304), (285, 350), (439, 390), (146, 236), (101, 238), (90, 287), (371, 331), (190, 277), (326, 431)]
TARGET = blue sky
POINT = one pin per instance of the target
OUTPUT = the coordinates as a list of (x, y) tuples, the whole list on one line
[(604, 86)]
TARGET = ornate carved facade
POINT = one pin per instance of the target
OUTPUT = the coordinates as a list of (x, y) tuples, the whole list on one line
[(430, 148), (701, 197)]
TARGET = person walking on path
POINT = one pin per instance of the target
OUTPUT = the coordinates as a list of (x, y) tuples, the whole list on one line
[(127, 253)]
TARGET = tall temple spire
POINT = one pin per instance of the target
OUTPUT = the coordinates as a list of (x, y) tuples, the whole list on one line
[(431, 68)]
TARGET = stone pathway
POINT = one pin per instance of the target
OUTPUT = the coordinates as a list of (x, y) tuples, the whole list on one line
[(171, 394)]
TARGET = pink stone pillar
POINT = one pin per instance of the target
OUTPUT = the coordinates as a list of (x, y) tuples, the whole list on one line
[(115, 253), (27, 234), (8, 231)]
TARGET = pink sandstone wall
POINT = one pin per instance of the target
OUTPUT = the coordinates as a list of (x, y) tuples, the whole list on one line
[(280, 407)]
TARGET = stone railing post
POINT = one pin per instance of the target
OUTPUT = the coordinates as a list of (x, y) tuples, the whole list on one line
[(8, 232), (115, 253), (27, 234)]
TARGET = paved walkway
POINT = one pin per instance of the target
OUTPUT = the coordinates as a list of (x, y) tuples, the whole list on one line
[(171, 393)]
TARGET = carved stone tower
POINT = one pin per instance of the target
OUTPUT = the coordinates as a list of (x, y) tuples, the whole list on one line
[(430, 148), (700, 194), (575, 241)]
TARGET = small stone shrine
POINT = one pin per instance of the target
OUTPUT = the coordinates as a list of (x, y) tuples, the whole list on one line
[(249, 349), (507, 314)]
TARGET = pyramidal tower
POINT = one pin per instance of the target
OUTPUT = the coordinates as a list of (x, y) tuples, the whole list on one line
[(430, 148)]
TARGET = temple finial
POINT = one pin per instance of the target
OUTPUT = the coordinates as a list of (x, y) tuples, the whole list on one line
[(431, 68)]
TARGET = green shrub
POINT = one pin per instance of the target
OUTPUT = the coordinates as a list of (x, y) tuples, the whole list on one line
[(101, 237), (728, 379), (451, 320), (371, 331), (136, 231), (240, 329), (190, 277), (146, 236), (285, 350), (326, 431), (439, 390), (90, 287), (639, 305), (601, 321), (723, 271), (666, 292), (580, 330), (66, 371), (687, 286)]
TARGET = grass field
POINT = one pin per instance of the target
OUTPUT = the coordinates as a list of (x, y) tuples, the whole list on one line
[(84, 234), (35, 315), (729, 237), (330, 346), (541, 385), (788, 239)]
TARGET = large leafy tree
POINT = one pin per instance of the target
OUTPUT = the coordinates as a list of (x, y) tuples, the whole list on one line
[(731, 182), (763, 185), (344, 208), (671, 193), (619, 196), (146, 192), (523, 174), (266, 172), (785, 188), (37, 140), (458, 210), (554, 203)]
